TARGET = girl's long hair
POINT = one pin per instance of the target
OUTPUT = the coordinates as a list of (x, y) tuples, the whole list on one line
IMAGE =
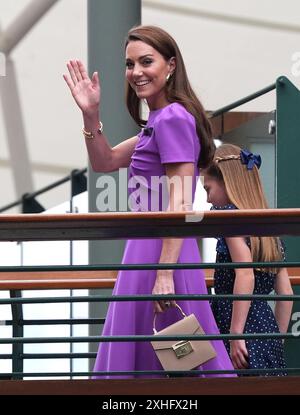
[(244, 189), (178, 88)]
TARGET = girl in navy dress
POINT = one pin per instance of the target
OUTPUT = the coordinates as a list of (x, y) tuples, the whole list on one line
[(232, 182)]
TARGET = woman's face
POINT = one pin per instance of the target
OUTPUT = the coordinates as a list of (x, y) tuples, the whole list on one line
[(146, 71), (216, 191)]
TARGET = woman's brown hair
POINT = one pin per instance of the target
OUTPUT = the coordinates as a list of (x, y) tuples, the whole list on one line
[(244, 189), (178, 88)]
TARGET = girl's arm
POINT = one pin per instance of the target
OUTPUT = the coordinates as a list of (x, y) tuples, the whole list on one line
[(283, 309), (244, 284), (179, 200)]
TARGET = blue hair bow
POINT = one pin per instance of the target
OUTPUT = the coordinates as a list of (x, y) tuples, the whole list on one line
[(250, 159)]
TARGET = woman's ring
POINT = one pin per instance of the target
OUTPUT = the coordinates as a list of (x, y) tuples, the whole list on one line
[(167, 303)]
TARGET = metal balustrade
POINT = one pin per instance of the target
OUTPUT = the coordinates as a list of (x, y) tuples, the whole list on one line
[(35, 227), (95, 226)]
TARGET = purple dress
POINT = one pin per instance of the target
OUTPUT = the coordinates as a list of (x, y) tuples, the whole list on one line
[(170, 137)]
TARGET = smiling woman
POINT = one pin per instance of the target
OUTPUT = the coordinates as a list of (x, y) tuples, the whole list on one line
[(147, 72), (168, 147)]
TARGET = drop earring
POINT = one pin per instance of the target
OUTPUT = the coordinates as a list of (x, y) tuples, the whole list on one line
[(168, 76)]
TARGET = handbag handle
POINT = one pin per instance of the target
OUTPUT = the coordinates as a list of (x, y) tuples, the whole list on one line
[(155, 314)]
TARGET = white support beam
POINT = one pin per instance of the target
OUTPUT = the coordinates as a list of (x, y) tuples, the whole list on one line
[(15, 132), (12, 111), (23, 23)]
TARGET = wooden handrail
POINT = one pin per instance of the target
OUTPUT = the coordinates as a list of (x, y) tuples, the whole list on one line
[(285, 385), (57, 279), (83, 279), (126, 225)]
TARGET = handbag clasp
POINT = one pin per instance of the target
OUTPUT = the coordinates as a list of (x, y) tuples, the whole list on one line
[(182, 348)]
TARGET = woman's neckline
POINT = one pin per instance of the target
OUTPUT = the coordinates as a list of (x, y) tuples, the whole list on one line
[(158, 109), (162, 108)]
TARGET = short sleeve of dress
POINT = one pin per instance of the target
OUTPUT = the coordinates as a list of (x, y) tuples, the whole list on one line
[(176, 136)]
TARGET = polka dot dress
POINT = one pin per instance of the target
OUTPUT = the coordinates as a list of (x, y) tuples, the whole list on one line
[(263, 353)]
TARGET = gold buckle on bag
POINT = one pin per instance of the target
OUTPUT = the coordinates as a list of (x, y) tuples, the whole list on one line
[(182, 348)]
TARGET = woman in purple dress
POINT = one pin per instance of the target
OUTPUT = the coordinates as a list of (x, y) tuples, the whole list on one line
[(166, 151)]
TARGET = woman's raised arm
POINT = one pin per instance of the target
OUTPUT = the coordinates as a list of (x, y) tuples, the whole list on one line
[(86, 93)]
